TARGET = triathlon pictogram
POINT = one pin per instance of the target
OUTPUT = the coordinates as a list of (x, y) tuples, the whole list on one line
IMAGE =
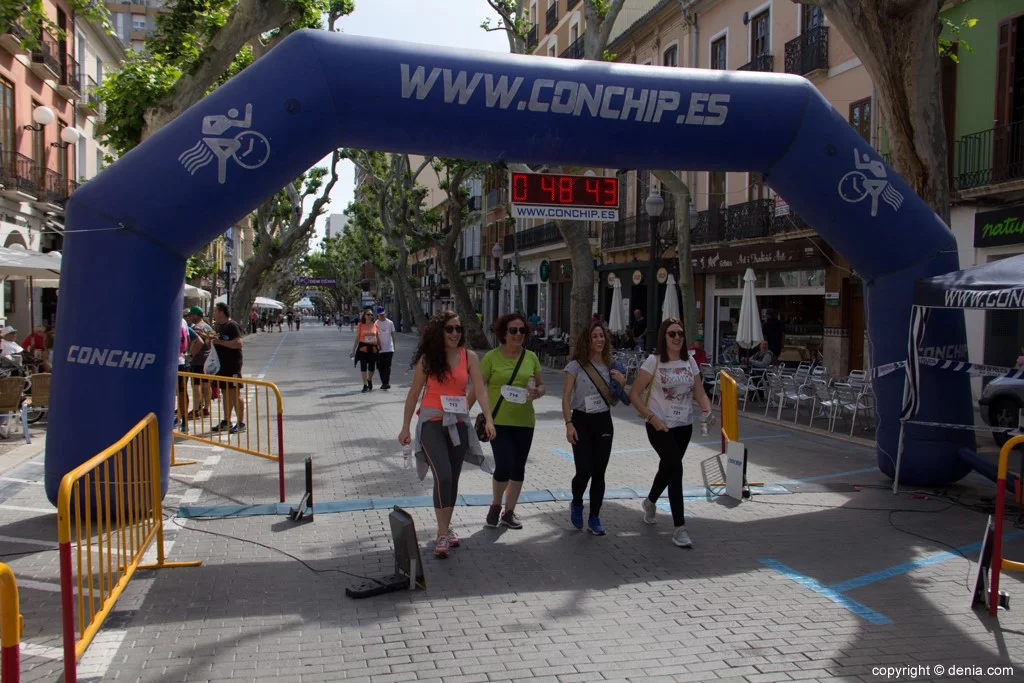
[(250, 149), (856, 185)]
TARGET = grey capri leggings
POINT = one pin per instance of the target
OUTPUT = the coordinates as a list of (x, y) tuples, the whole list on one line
[(444, 459)]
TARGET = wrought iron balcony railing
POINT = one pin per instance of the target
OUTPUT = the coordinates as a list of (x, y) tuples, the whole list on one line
[(17, 171), (808, 52), (53, 187), (749, 220), (760, 63), (47, 52), (574, 51), (71, 75), (469, 263), (989, 157), (634, 232), (552, 18), (531, 38)]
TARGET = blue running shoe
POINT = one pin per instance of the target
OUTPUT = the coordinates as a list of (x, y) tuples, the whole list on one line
[(576, 515), (596, 527)]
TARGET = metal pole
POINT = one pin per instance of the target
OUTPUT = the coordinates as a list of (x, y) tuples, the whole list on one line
[(227, 283), (652, 289)]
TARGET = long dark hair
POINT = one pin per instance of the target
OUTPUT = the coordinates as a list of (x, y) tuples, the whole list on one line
[(581, 349), (662, 347), (431, 347)]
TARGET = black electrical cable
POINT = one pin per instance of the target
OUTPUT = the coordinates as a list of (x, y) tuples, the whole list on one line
[(270, 547)]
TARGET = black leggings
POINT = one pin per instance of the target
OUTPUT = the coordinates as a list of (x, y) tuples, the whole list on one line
[(511, 448), (444, 459), (367, 358), (591, 452), (671, 447)]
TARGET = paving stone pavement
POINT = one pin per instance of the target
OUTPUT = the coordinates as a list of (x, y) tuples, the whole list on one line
[(782, 587)]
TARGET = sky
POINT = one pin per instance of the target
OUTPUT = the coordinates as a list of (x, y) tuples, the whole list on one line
[(454, 23)]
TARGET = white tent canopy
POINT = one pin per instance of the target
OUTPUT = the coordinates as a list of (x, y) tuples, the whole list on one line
[(261, 302), (18, 263), (195, 292), (304, 303)]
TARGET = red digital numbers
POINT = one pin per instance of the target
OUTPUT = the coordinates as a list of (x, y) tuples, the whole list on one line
[(548, 188)]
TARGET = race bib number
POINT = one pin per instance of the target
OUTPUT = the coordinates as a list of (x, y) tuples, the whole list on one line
[(594, 404), (454, 404), (679, 414), (369, 339), (513, 394)]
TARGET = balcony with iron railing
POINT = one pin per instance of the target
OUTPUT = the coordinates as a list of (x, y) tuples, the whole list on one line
[(808, 52), (531, 38), (469, 264), (748, 220), (12, 37), (574, 51), (634, 232), (53, 187), (551, 19), (46, 61), (70, 85), (989, 158), (18, 174), (89, 104), (759, 63)]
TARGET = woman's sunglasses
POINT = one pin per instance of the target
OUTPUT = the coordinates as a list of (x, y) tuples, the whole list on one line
[(516, 330), (452, 329), (673, 334)]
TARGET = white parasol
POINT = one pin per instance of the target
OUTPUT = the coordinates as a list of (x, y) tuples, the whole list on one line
[(748, 333), (615, 324), (670, 308)]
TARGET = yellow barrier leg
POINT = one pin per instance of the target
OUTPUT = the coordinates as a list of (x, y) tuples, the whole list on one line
[(179, 463)]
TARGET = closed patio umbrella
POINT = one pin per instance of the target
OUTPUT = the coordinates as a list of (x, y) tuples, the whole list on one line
[(615, 324), (670, 308), (748, 333)]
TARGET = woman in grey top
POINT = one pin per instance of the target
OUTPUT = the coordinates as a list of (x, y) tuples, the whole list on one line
[(588, 420)]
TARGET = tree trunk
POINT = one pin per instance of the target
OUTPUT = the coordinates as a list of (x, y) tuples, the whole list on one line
[(897, 40), (582, 298), (401, 312), (475, 337), (250, 279), (681, 191), (417, 316)]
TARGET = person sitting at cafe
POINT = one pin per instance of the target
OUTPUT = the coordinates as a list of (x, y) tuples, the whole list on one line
[(698, 353), (763, 357)]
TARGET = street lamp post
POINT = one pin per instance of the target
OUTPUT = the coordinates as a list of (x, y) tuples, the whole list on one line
[(654, 205), (433, 278), (496, 253)]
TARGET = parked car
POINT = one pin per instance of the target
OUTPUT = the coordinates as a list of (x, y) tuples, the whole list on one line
[(1001, 402)]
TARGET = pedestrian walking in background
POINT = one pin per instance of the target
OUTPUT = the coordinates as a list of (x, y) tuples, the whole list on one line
[(663, 393), (386, 334), (199, 351), (513, 378), (586, 408), (444, 437), (365, 347)]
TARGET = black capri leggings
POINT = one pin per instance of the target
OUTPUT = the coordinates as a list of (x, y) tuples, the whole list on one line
[(444, 459), (367, 359), (671, 447), (511, 448), (591, 453)]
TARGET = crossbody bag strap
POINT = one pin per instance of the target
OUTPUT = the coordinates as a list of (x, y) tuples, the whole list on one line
[(602, 386), (654, 378), (501, 399)]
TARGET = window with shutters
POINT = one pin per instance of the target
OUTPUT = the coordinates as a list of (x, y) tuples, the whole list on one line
[(811, 17), (716, 190), (671, 56), (757, 188), (8, 138), (860, 118), (761, 35), (719, 58)]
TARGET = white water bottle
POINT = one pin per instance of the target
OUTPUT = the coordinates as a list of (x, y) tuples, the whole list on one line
[(407, 455), (532, 384)]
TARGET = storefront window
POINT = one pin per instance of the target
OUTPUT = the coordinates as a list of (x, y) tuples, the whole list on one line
[(8, 298), (728, 282), (814, 278)]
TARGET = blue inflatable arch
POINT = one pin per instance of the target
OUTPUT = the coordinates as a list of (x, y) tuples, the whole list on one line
[(136, 223)]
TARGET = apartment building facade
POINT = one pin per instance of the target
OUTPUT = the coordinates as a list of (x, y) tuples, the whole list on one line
[(736, 218), (134, 20), (48, 144), (984, 107)]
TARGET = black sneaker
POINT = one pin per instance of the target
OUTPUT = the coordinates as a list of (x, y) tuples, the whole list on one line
[(240, 427), (369, 386), (366, 387), (511, 520), (223, 426), (493, 515), (385, 387)]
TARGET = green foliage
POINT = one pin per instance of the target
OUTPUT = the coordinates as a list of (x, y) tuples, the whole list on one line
[(199, 266), (140, 83), (955, 29), (32, 13)]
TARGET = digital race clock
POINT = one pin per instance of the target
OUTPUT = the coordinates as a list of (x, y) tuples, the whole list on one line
[(556, 189)]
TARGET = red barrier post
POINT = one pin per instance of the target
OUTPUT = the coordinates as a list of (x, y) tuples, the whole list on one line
[(280, 453)]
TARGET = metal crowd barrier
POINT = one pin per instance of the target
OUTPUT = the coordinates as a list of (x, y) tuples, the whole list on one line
[(998, 563), (10, 627), (260, 414), (109, 512)]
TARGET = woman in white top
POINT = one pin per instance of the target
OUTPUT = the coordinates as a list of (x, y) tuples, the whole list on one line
[(588, 427), (667, 408)]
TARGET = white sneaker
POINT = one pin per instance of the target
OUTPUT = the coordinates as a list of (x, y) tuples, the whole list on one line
[(650, 512), (681, 538)]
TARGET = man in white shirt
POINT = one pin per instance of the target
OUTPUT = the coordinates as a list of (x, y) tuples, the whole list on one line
[(386, 334), (9, 347)]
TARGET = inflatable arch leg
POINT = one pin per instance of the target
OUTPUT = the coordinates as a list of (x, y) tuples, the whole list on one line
[(136, 223)]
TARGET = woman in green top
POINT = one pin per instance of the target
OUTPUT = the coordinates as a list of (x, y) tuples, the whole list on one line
[(513, 416)]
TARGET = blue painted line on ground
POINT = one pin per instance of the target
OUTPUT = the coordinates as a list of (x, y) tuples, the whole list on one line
[(822, 477), (266, 366), (907, 567), (835, 596)]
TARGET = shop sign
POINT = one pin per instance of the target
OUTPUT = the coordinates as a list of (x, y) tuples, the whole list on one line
[(999, 228), (545, 271), (781, 207), (799, 254), (638, 277), (662, 276), (611, 279), (831, 298)]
